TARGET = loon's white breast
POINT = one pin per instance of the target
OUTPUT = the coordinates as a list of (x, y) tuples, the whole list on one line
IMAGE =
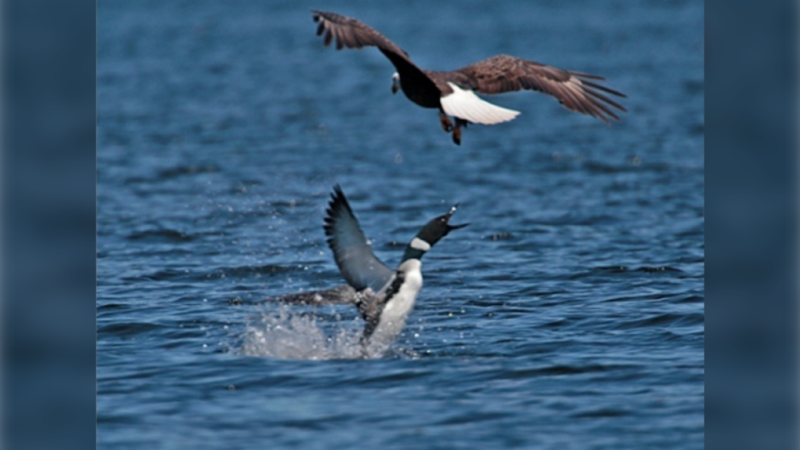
[(394, 314)]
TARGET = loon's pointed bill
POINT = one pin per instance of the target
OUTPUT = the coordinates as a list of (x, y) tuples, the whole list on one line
[(453, 93), (450, 214)]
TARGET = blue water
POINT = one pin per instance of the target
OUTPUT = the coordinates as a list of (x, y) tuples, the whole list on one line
[(568, 315)]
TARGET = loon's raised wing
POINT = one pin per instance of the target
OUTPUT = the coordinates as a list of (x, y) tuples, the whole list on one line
[(351, 250)]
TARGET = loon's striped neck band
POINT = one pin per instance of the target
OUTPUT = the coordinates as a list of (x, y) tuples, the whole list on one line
[(419, 244), (415, 249)]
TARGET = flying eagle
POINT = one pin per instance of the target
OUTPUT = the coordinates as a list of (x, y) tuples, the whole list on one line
[(453, 93)]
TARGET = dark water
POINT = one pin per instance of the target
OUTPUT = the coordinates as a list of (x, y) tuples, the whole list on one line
[(568, 315)]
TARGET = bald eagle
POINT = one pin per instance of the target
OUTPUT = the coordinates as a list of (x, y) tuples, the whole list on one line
[(453, 93)]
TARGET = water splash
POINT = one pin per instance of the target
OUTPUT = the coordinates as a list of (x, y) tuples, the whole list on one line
[(286, 333)]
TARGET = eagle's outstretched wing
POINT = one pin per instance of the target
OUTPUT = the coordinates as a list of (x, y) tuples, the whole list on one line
[(351, 33), (504, 73)]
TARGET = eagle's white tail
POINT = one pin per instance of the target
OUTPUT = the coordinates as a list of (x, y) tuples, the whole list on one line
[(464, 104)]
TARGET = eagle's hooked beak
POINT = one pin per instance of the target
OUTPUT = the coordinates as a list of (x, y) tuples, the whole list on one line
[(395, 83)]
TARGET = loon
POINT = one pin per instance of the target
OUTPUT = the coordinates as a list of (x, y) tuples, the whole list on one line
[(384, 297), (453, 93)]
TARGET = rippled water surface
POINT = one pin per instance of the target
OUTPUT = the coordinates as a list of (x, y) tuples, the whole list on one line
[(568, 315)]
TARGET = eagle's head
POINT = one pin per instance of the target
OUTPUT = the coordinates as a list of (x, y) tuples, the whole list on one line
[(395, 82)]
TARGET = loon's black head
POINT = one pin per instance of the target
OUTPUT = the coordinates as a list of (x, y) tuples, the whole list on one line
[(430, 234), (439, 227)]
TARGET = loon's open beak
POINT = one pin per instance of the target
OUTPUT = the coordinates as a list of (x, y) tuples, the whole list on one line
[(450, 214)]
